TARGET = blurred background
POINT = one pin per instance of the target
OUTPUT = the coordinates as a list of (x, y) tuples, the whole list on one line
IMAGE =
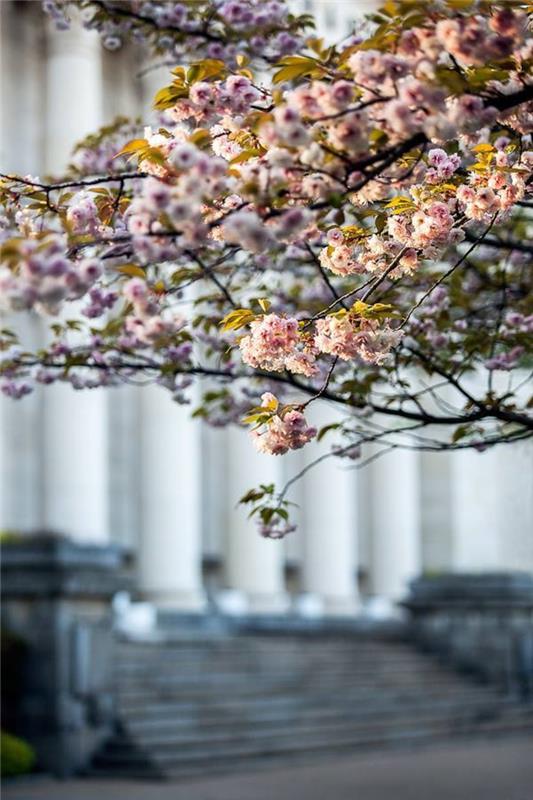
[(125, 553)]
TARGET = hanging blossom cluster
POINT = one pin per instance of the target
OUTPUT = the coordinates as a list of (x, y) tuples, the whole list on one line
[(285, 429), (308, 222), (369, 341), (275, 344)]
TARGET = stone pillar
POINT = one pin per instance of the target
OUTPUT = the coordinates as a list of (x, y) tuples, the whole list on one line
[(492, 508), (395, 517), (74, 91), (20, 447), (436, 510), (122, 96), (329, 526), (75, 438), (75, 464), (21, 90), (254, 566), (170, 492)]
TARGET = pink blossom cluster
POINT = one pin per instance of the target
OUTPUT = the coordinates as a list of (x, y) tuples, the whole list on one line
[(339, 336), (515, 322), (277, 528), (147, 325), (505, 361), (475, 40), (287, 129), (46, 277), (235, 95), (318, 99), (82, 213), (428, 229), (442, 166), (288, 431), (487, 195), (180, 202), (373, 254), (274, 344), (247, 229), (331, 105), (341, 259), (101, 300)]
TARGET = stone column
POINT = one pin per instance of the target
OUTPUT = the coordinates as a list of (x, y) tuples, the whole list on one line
[(20, 447), (329, 526), (170, 490), (74, 91), (122, 95), (436, 510), (21, 90), (492, 509), (254, 566), (395, 518), (75, 438)]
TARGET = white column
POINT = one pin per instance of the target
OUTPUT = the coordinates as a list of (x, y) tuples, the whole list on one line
[(170, 492), (75, 463), (215, 463), (396, 541), (75, 438), (74, 96), (492, 509), (124, 454), (329, 526), (254, 566), (122, 96), (21, 90), (20, 447), (436, 510)]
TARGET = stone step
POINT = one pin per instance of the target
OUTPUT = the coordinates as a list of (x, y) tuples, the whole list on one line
[(145, 729), (258, 650), (304, 665), (208, 704), (229, 756), (239, 670), (271, 644), (153, 709), (186, 737), (291, 685)]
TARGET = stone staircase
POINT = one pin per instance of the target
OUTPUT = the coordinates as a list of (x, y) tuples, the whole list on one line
[(204, 704)]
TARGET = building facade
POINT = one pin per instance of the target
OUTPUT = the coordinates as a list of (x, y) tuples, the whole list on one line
[(129, 466)]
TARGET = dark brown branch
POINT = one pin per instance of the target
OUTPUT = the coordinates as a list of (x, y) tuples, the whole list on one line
[(502, 244), (73, 184)]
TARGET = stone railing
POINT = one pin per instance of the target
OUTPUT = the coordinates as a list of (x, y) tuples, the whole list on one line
[(57, 636), (482, 623)]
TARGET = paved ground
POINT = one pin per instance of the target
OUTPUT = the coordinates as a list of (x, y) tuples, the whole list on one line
[(492, 770)]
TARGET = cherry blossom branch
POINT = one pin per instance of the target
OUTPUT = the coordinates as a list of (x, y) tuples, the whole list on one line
[(127, 13)]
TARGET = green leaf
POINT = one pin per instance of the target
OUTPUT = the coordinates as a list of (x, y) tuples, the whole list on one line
[(237, 319), (264, 304), (132, 270), (246, 155), (376, 311), (293, 67), (326, 429), (132, 147), (169, 96)]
